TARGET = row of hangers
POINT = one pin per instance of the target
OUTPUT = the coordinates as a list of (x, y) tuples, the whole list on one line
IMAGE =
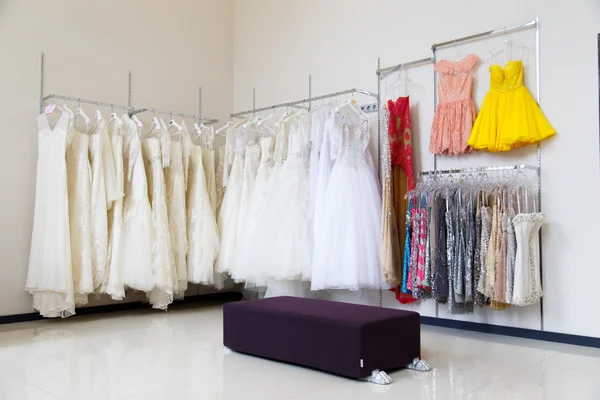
[(259, 122), (496, 183), (199, 129)]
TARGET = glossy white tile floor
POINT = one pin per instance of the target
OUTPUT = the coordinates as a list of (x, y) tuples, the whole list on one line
[(147, 355)]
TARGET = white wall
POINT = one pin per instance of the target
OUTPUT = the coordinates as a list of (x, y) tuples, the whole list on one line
[(170, 47), (277, 44)]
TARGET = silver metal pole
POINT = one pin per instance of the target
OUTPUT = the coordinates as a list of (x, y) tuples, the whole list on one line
[(379, 144), (41, 81), (128, 88), (297, 103), (480, 169), (495, 32), (539, 161), (385, 72), (200, 101)]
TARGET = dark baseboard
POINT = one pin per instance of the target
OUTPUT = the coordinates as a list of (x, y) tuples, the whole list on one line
[(222, 296), (236, 296), (515, 332)]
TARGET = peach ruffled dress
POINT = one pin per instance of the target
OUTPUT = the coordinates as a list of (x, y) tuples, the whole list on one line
[(455, 113)]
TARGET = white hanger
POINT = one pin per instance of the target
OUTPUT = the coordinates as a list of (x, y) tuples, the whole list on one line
[(115, 117), (155, 125), (98, 115), (270, 117), (225, 127), (252, 121), (137, 121), (343, 105), (83, 115), (176, 125)]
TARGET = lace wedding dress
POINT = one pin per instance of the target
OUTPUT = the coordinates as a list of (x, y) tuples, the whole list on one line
[(113, 281), (351, 222), (104, 192), (49, 275), (282, 242), (229, 212), (79, 177), (138, 232), (247, 234), (175, 185), (202, 230), (156, 157)]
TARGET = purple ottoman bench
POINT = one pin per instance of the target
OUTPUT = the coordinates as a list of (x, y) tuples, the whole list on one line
[(345, 339)]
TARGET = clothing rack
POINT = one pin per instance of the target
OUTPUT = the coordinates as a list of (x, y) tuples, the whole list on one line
[(479, 169), (535, 23), (132, 110), (310, 99)]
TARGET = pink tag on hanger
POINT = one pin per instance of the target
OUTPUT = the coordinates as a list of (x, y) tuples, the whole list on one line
[(49, 108)]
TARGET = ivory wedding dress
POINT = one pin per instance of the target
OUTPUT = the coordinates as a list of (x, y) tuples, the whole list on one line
[(282, 241), (49, 275), (229, 212), (138, 231), (175, 186), (202, 230), (113, 281), (104, 192), (79, 177), (157, 155), (261, 184)]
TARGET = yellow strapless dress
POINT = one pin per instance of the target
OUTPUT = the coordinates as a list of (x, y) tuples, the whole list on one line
[(509, 117)]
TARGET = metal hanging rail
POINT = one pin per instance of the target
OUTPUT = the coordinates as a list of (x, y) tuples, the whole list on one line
[(175, 114), (385, 72), (298, 103), (85, 101), (480, 169), (496, 32), (133, 110)]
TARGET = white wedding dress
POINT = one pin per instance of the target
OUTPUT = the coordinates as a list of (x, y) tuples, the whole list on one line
[(229, 212), (281, 247), (113, 281), (208, 161), (247, 233), (156, 155), (202, 230), (138, 231), (351, 222), (175, 185), (104, 192), (49, 274), (79, 177)]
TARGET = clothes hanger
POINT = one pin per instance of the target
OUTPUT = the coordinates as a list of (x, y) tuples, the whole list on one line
[(240, 123), (407, 82), (251, 122), (80, 113), (98, 114), (115, 117), (228, 125), (155, 127), (137, 121)]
